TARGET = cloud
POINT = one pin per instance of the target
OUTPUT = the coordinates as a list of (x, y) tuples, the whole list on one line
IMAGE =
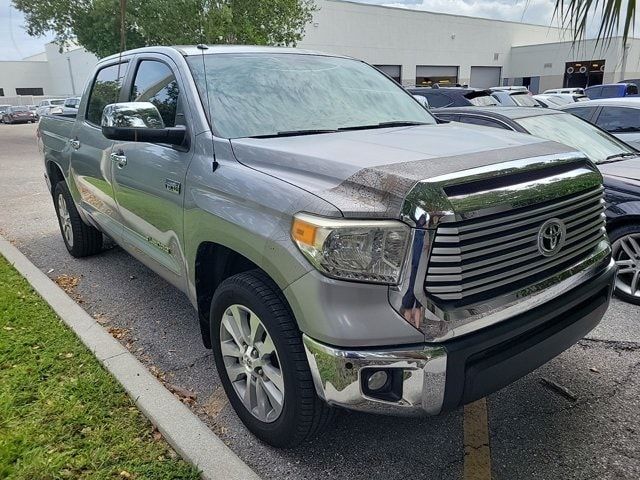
[(16, 44)]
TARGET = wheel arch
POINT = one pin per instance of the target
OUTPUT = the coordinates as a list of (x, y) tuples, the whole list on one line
[(54, 172), (214, 263)]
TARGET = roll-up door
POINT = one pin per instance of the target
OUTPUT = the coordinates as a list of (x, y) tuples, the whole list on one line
[(485, 77)]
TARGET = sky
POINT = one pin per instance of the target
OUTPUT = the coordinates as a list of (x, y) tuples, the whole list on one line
[(16, 44)]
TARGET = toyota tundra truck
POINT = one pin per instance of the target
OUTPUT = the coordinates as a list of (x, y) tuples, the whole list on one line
[(342, 248)]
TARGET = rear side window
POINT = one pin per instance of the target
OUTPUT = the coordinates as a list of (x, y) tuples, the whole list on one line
[(155, 82), (632, 89), (105, 90), (438, 100), (584, 113), (619, 119), (611, 91)]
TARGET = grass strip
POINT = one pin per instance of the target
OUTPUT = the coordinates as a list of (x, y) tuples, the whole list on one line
[(62, 415)]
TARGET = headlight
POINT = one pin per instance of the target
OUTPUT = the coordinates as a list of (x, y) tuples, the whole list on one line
[(361, 250)]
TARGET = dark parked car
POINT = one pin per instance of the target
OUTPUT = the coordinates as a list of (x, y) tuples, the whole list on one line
[(612, 90), (618, 162), (454, 96), (18, 115)]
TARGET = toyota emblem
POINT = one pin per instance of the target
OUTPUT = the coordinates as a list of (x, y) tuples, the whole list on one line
[(551, 237)]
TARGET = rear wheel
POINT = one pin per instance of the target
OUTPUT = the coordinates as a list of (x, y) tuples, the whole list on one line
[(625, 243), (80, 239), (261, 361)]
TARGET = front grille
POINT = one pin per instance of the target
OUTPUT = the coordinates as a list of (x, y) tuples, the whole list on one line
[(498, 254)]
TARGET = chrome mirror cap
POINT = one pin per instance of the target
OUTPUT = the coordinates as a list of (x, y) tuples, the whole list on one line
[(132, 115)]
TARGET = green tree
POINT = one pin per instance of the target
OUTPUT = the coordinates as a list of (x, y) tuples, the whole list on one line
[(575, 14), (95, 24)]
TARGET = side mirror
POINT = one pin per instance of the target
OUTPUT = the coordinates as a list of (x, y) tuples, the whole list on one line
[(139, 122), (422, 101)]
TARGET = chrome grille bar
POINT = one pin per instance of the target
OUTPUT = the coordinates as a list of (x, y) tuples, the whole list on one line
[(475, 256)]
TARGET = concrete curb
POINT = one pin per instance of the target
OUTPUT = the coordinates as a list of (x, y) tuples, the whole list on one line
[(184, 431)]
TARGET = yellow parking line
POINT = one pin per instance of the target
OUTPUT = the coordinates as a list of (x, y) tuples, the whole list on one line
[(477, 453)]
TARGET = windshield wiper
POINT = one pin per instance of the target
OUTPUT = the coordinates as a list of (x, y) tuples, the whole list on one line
[(618, 156), (396, 123), (294, 133)]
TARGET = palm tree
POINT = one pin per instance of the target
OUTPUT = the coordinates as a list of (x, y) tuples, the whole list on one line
[(575, 13)]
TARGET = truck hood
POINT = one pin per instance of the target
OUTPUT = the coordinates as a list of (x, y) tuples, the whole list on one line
[(623, 169), (369, 172)]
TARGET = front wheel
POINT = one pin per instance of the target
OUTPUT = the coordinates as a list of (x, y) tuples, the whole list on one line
[(625, 243), (80, 239), (261, 361)]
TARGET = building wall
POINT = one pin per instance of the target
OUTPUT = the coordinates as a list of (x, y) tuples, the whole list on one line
[(548, 61), (69, 70), (59, 74), (395, 36), (23, 74)]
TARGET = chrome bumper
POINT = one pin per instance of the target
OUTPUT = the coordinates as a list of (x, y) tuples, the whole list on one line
[(337, 377), (472, 366)]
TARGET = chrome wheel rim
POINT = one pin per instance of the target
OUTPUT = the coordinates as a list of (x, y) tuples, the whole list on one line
[(251, 362), (65, 220), (626, 252)]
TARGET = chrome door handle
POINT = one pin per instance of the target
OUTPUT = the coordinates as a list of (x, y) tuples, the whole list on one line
[(75, 144), (119, 159)]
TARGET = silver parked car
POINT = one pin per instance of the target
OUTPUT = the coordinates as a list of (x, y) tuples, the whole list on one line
[(618, 116), (341, 246)]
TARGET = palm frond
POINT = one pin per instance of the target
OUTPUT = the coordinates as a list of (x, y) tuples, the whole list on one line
[(574, 15)]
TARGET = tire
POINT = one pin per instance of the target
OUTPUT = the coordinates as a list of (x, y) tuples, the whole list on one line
[(302, 413), (80, 239), (625, 242)]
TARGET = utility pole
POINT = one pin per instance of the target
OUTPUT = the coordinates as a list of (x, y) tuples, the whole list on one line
[(73, 84)]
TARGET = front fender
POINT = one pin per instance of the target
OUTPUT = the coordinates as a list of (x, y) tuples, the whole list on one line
[(246, 211)]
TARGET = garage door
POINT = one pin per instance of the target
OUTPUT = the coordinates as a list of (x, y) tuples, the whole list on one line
[(485, 77), (441, 74)]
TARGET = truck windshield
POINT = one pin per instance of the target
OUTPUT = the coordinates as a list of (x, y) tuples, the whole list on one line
[(270, 93)]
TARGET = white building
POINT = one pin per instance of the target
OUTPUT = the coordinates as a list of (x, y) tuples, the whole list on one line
[(415, 47), (420, 47), (51, 73)]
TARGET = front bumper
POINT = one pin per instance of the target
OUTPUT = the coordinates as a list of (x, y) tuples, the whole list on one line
[(435, 377)]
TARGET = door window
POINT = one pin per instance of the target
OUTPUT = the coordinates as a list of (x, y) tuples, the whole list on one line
[(619, 119), (155, 82), (105, 90)]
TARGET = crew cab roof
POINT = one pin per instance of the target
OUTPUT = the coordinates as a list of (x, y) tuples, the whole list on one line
[(189, 50)]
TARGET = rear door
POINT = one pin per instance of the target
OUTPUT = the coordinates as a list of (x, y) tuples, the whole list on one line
[(149, 186), (91, 164)]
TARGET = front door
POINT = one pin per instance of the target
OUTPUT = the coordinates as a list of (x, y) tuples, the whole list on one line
[(148, 178)]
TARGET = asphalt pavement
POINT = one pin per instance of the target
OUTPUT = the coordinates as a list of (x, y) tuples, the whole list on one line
[(589, 430)]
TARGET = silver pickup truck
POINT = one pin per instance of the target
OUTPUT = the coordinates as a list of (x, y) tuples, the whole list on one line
[(341, 246)]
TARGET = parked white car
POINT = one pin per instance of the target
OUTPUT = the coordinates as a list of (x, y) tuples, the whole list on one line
[(557, 100), (45, 106), (618, 116), (573, 91)]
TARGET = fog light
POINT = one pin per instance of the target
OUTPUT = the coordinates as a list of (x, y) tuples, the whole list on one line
[(377, 380)]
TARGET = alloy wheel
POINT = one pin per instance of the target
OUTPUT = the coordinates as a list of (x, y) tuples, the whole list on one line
[(65, 220), (251, 362), (626, 252)]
